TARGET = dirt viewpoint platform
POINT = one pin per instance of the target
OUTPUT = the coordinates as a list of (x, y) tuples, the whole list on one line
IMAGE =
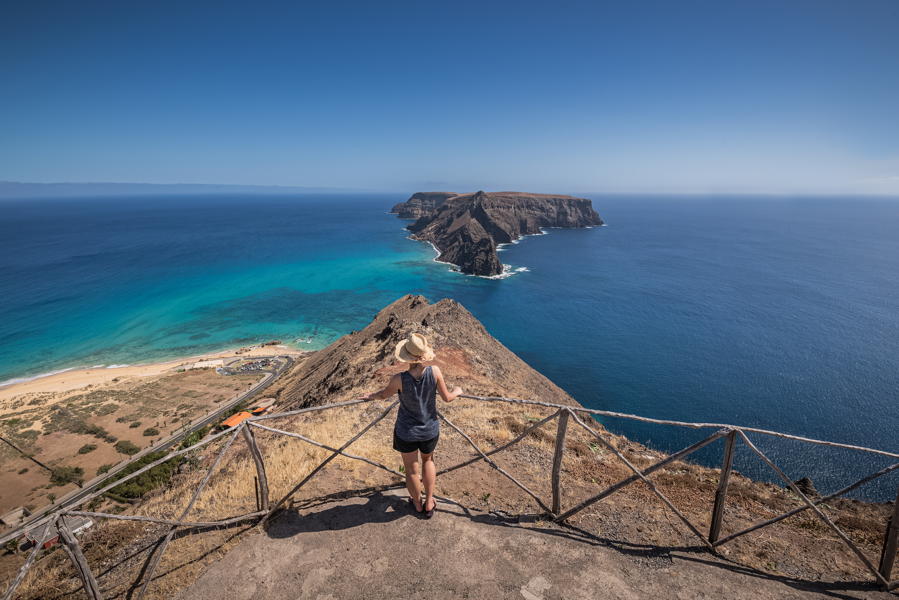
[(375, 547)]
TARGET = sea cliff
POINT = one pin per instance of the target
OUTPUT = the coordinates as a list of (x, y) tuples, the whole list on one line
[(466, 229), (421, 204)]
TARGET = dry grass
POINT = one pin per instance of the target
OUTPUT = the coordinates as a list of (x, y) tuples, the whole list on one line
[(800, 546), (53, 426)]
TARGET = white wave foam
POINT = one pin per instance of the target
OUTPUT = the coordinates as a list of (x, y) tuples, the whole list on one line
[(508, 271), (16, 380)]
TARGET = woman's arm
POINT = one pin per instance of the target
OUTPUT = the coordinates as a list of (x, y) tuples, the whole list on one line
[(448, 396), (393, 386)]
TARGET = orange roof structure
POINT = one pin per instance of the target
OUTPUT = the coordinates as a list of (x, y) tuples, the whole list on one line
[(236, 419)]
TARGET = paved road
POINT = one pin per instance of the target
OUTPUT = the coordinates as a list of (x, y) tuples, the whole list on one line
[(283, 362)]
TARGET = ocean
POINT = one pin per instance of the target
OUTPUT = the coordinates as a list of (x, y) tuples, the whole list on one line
[(779, 313)]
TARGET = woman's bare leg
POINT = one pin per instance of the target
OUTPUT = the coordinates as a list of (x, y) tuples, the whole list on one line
[(429, 478), (413, 477)]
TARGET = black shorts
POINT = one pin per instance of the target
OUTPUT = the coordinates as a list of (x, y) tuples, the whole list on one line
[(424, 446)]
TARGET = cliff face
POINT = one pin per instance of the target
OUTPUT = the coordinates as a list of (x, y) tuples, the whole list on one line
[(466, 229), (421, 204)]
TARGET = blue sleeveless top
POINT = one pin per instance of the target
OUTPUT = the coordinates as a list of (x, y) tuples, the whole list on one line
[(416, 419)]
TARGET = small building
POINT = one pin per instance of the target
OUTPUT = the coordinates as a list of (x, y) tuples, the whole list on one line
[(235, 420), (77, 525), (15, 517), (49, 543)]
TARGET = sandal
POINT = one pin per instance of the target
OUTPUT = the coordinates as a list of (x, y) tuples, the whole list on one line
[(430, 513), (412, 504)]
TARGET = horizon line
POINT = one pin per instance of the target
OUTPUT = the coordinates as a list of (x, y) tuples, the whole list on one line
[(7, 193)]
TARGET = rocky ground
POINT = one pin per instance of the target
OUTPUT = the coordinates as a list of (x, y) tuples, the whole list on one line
[(420, 204), (347, 533), (372, 546)]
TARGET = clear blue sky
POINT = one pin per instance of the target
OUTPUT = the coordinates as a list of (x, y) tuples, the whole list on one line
[(781, 96)]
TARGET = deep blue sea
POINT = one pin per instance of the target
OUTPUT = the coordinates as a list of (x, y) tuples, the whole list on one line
[(770, 312)]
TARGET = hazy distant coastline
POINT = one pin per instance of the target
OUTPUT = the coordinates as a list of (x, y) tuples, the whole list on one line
[(23, 190)]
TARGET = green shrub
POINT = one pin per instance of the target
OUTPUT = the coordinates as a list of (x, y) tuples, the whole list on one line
[(87, 448), (126, 447), (63, 475), (143, 483), (23, 470), (63, 420), (29, 435), (104, 468), (134, 425), (151, 431), (195, 437), (106, 409)]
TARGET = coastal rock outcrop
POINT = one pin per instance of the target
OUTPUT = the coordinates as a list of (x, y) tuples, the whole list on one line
[(466, 229), (421, 204)]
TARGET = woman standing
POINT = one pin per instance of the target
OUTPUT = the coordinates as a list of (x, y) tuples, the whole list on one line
[(417, 428)]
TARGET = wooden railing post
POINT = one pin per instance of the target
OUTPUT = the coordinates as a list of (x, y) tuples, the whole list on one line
[(792, 485), (557, 460), (890, 542), (723, 481), (154, 559), (260, 468), (20, 576), (493, 464), (73, 549), (72, 546), (334, 454)]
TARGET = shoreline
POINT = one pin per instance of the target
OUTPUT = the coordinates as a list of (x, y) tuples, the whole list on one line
[(508, 270), (75, 378)]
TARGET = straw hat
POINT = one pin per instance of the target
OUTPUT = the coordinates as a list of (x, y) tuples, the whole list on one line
[(414, 348)]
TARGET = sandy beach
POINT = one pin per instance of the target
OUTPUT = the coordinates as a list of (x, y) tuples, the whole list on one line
[(76, 379)]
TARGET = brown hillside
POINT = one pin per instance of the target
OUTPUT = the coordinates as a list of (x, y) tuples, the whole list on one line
[(362, 361)]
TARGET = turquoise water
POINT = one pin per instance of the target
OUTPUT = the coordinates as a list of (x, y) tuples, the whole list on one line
[(105, 281), (776, 313)]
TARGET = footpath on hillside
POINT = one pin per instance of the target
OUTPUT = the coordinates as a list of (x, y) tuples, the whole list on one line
[(374, 546)]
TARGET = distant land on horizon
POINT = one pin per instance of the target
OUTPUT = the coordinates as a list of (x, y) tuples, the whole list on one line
[(18, 189)]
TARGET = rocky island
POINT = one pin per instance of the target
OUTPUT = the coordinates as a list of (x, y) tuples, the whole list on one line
[(467, 228)]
